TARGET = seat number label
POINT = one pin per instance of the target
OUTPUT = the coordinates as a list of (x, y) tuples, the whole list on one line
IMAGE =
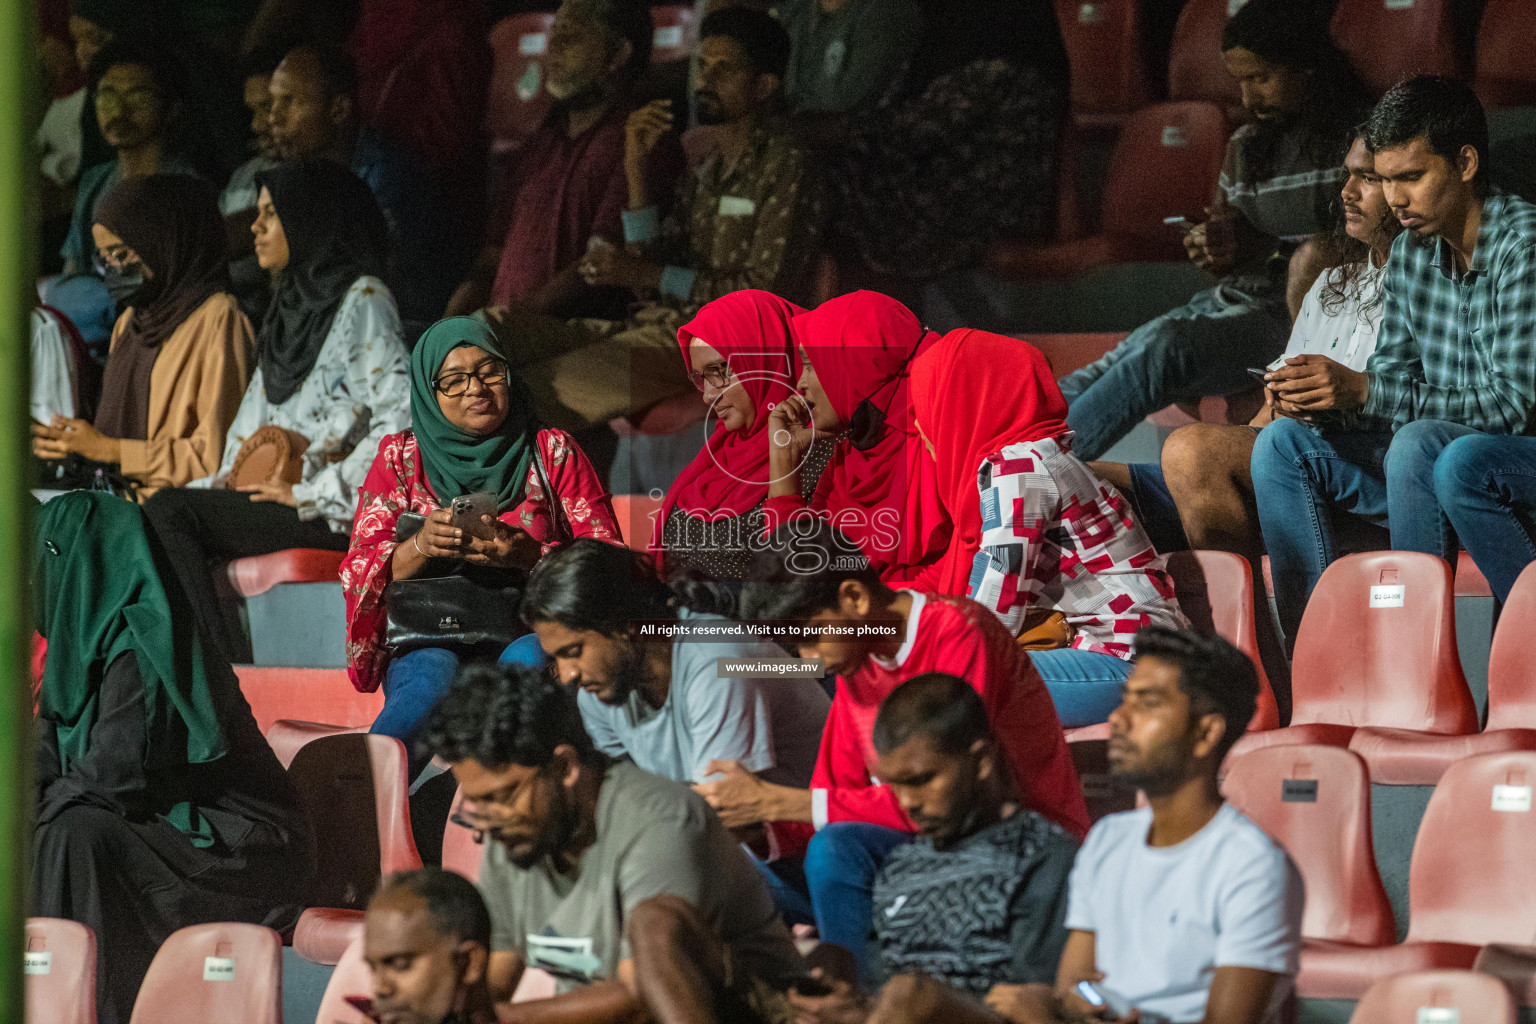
[(1514, 799), (218, 968), (37, 963), (1388, 596), (1438, 1015)]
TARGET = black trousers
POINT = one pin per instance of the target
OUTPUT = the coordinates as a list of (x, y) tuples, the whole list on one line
[(202, 529)]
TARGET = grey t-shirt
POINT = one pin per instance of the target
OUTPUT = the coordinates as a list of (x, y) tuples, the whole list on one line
[(772, 726), (844, 62), (654, 837)]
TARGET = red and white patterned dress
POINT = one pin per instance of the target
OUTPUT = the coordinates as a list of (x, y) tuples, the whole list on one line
[(397, 483)]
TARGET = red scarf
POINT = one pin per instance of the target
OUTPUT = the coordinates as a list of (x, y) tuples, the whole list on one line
[(751, 330), (884, 497), (974, 394)]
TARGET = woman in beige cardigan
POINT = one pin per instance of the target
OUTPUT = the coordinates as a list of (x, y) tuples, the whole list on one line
[(181, 350)]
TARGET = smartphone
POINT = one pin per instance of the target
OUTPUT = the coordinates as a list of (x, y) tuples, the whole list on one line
[(362, 1004), (468, 509), (1183, 224), (1254, 371), (1106, 999)]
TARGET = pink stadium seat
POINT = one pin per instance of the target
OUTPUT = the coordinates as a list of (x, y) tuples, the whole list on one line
[(1195, 67), (306, 694), (1472, 880), (1514, 965), (350, 978), (285, 737), (59, 972), (1504, 75), (460, 851), (1103, 39), (259, 574), (637, 517), (1469, 578), (324, 933), (1389, 40), (1467, 996), (1377, 646), (214, 972), (518, 101), (1401, 757), (675, 33), (1165, 164), (1215, 591), (1316, 802)]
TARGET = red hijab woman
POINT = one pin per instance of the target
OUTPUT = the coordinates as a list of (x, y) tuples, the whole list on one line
[(973, 394), (881, 486), (740, 355)]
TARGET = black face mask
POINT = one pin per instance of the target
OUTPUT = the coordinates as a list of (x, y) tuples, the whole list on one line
[(867, 426), (126, 284)]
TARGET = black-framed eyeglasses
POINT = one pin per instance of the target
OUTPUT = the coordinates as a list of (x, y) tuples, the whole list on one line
[(486, 824), (452, 385), (138, 98), (719, 377)]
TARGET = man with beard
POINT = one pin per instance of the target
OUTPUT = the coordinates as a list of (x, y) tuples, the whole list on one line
[(1276, 188), (578, 842), (1456, 355)]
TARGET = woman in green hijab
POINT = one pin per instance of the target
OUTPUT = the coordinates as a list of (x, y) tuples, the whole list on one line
[(473, 430), (160, 805)]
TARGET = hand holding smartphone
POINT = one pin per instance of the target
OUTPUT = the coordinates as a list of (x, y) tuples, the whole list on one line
[(470, 509)]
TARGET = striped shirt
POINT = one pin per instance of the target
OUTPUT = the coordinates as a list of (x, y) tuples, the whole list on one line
[(1455, 346)]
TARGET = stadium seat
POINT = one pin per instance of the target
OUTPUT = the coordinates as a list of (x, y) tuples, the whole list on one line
[(1503, 74), (1195, 67), (1400, 757), (58, 967), (1164, 164), (637, 517), (460, 851), (1472, 880), (1215, 592), (1068, 353), (1463, 995), (323, 934), (1377, 647), (518, 102), (259, 574), (1469, 578), (306, 694), (1316, 802), (214, 972), (286, 736), (1389, 40), (675, 33), (1103, 40), (350, 978), (1513, 965)]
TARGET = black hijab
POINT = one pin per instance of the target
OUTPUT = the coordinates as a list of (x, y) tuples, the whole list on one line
[(336, 234)]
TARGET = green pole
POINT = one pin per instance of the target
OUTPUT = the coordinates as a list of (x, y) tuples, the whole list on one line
[(18, 173)]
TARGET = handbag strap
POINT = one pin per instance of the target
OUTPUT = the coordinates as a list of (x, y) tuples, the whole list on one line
[(563, 531)]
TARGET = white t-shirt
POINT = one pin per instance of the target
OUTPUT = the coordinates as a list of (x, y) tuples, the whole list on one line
[(1165, 918), (772, 726), (1345, 333)]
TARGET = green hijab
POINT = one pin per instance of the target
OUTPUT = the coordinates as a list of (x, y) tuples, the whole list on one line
[(97, 594), (458, 462)]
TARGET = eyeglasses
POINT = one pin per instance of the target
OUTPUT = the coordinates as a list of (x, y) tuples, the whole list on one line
[(482, 824), (116, 257), (718, 377), (141, 98), (452, 385)]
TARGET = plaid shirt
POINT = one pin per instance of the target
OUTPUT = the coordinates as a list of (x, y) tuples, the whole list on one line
[(1460, 347), (1053, 536)]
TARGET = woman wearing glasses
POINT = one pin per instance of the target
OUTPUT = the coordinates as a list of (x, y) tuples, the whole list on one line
[(473, 429), (332, 373), (181, 350), (742, 358)]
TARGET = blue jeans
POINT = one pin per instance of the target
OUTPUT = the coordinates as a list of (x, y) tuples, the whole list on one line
[(1202, 348), (1486, 485), (1085, 685)]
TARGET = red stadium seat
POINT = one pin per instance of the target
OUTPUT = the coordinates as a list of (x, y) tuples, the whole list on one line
[(1464, 995), (1513, 965), (460, 851), (518, 102), (1215, 592), (1195, 67), (675, 33), (1503, 74), (1316, 802), (637, 518), (214, 972), (286, 736), (307, 694), (350, 978), (259, 574), (1165, 164), (1472, 880), (1377, 646), (324, 933), (1389, 40), (1103, 40), (1068, 353), (59, 972), (1400, 757)]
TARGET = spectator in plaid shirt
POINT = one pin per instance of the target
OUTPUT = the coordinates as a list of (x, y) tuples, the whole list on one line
[(1456, 354)]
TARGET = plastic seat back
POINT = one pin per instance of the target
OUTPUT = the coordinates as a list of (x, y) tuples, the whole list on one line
[(287, 737), (214, 972), (59, 972), (1165, 164), (1389, 40), (637, 518), (1195, 67), (1377, 646), (351, 977), (1512, 659), (460, 851), (1103, 40), (1504, 75), (356, 792), (518, 101), (1215, 592), (1472, 878), (1316, 802), (674, 37), (1459, 995)]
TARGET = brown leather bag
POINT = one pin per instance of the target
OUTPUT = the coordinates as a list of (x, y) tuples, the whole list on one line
[(1045, 629), (271, 455)]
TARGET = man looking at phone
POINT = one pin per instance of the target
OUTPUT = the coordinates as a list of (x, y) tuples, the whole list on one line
[(427, 939), (1280, 177)]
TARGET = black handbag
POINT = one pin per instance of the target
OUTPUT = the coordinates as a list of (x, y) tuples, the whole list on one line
[(471, 609)]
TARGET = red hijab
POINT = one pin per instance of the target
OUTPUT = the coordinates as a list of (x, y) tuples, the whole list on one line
[(975, 393), (885, 496), (730, 476)]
